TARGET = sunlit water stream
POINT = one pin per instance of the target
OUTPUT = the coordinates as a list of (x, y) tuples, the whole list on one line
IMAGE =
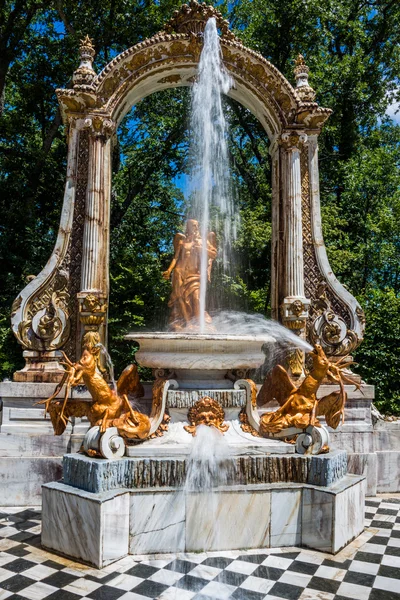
[(210, 180)]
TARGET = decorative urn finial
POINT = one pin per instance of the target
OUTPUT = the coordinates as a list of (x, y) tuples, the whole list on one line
[(85, 74), (192, 18), (303, 89)]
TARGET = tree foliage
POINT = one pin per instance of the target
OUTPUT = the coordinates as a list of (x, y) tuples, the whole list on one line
[(351, 47)]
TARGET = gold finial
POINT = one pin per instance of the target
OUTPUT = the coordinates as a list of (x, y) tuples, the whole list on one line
[(84, 74), (86, 43), (300, 60), (303, 88)]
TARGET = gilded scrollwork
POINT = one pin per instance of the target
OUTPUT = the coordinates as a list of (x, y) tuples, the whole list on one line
[(245, 424), (330, 329), (43, 322)]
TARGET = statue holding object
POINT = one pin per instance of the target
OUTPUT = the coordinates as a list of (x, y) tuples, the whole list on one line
[(184, 302)]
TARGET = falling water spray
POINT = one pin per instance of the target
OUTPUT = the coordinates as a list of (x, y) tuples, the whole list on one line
[(210, 177)]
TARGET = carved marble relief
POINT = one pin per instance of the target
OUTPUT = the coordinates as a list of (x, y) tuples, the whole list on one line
[(72, 348), (44, 323), (336, 321)]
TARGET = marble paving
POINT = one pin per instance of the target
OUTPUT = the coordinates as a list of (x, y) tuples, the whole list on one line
[(368, 569)]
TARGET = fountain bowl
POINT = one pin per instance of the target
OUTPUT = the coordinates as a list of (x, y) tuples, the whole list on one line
[(195, 357)]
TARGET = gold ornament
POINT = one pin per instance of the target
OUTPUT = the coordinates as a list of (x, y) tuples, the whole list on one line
[(109, 408), (299, 407), (206, 411)]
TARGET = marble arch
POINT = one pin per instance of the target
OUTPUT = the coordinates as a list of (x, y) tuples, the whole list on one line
[(70, 295)]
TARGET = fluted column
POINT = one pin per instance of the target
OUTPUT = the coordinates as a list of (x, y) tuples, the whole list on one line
[(294, 242), (93, 296), (294, 308), (275, 242)]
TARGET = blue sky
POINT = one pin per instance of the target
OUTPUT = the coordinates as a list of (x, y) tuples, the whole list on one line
[(393, 111)]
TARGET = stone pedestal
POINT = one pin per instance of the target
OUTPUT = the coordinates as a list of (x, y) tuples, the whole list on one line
[(31, 455), (93, 528), (99, 528)]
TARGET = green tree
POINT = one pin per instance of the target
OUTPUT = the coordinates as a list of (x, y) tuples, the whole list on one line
[(353, 53)]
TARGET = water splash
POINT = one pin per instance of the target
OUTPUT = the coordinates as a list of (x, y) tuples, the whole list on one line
[(276, 351), (210, 466), (210, 180)]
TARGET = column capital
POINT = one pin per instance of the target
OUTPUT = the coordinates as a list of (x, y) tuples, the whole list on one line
[(92, 309), (294, 311), (100, 125), (293, 140)]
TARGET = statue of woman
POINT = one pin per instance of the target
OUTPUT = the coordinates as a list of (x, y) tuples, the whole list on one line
[(184, 301)]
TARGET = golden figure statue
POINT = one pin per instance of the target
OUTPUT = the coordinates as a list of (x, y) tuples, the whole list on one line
[(109, 408), (299, 406), (184, 301)]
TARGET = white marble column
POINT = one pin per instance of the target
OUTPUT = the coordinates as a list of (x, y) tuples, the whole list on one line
[(275, 242), (95, 236), (293, 226), (294, 308), (95, 254)]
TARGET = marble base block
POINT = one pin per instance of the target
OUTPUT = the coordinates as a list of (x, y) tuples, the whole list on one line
[(366, 464), (331, 518), (101, 528), (93, 528)]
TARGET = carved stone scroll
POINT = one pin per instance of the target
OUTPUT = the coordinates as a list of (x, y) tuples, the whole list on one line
[(41, 314), (336, 320)]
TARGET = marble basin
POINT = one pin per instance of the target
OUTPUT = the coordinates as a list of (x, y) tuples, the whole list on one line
[(200, 357)]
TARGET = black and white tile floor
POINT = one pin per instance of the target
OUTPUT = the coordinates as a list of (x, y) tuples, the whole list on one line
[(368, 569)]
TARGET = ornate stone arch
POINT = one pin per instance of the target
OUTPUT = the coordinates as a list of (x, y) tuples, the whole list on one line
[(70, 294)]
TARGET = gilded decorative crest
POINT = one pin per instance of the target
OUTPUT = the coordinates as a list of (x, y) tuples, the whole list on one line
[(330, 329), (192, 18)]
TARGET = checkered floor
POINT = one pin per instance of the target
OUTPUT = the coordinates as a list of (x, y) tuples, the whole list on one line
[(368, 569)]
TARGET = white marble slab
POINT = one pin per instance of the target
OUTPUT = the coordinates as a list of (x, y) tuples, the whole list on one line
[(91, 527), (365, 464), (21, 478), (285, 518), (157, 522), (228, 520), (317, 519), (349, 515), (332, 517), (388, 471)]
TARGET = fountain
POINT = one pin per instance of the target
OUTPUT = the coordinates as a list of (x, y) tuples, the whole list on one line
[(203, 458)]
